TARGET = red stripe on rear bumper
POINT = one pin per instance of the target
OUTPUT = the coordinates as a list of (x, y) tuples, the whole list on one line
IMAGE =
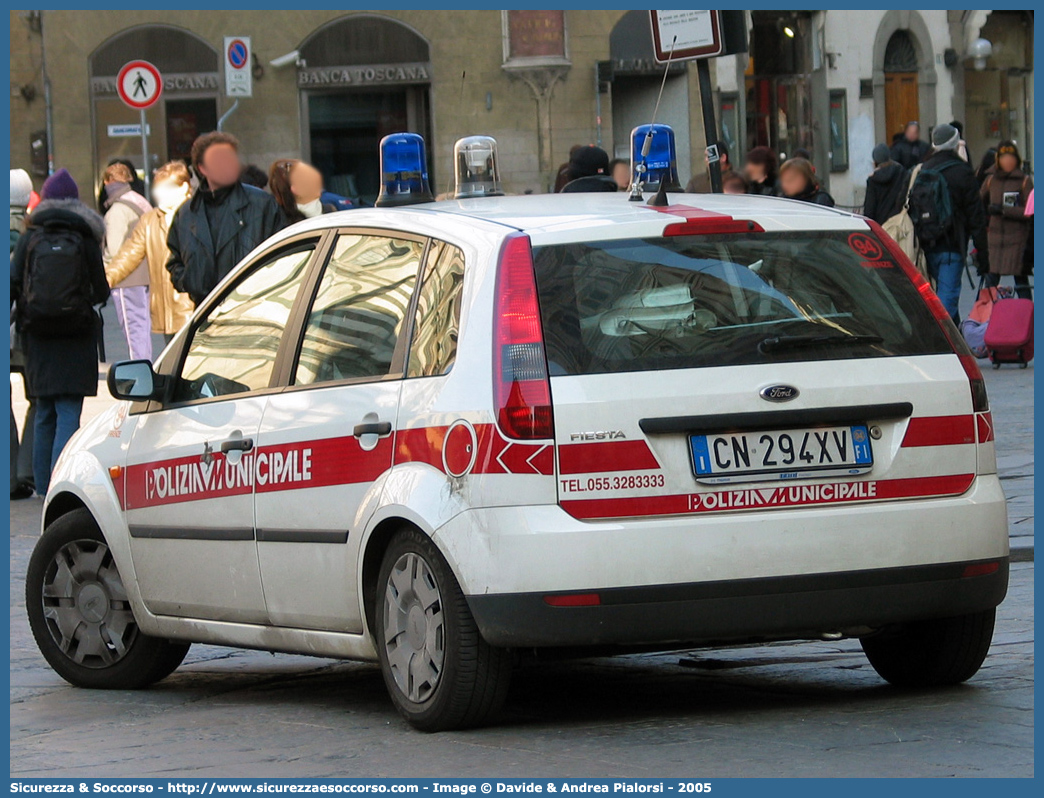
[(940, 431), (770, 497), (598, 458)]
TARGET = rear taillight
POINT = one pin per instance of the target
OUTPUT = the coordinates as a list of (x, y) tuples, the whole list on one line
[(520, 383), (980, 400)]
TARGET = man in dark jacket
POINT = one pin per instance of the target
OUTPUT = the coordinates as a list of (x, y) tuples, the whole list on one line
[(910, 150), (60, 369), (700, 184), (946, 256), (884, 186), (223, 221), (589, 172)]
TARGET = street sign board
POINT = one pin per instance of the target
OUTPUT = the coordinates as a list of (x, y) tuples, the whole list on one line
[(239, 80), (139, 84), (127, 131), (686, 35)]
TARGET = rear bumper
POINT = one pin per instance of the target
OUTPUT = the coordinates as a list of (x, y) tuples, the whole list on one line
[(746, 609)]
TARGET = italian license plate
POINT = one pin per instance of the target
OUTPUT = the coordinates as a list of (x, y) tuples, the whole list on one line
[(781, 454)]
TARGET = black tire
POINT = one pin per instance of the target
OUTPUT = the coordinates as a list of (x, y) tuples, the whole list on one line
[(142, 661), (935, 653), (473, 679)]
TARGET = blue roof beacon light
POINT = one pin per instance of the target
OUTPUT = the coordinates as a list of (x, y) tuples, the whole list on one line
[(476, 167), (654, 158), (404, 171)]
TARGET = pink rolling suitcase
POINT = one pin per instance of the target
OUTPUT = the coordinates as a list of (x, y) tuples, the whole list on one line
[(1009, 336)]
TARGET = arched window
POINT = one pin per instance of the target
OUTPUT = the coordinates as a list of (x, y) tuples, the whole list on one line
[(363, 39), (172, 50), (900, 53)]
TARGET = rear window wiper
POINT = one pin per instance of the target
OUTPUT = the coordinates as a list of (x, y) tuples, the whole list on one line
[(777, 343)]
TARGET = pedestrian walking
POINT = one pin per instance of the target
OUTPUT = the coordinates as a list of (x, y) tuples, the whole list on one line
[(589, 171), (989, 160), (298, 190), (562, 175), (884, 186), (169, 309), (734, 183), (137, 184), (222, 222), (761, 172), (700, 184), (1006, 195), (21, 472), (946, 210), (909, 150), (254, 176), (57, 277), (798, 181), (620, 172), (124, 208)]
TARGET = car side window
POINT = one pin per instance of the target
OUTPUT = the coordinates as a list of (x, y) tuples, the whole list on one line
[(359, 310), (233, 349), (437, 321)]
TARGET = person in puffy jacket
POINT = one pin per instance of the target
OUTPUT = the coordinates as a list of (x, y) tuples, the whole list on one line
[(884, 186), (797, 178), (212, 232), (1006, 194), (124, 207), (910, 149), (169, 309), (60, 368)]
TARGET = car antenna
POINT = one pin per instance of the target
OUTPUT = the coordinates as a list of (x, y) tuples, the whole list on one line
[(636, 188)]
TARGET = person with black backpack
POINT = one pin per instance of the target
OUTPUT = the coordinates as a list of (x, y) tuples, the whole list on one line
[(945, 208), (57, 278)]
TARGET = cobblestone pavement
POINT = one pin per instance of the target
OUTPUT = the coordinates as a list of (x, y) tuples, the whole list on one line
[(796, 709)]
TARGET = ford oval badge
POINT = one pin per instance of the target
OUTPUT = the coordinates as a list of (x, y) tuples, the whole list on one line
[(779, 393)]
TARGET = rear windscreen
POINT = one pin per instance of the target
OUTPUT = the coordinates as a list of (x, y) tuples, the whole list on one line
[(694, 301)]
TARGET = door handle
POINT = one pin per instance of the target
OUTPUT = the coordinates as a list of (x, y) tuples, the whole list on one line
[(378, 428), (237, 445)]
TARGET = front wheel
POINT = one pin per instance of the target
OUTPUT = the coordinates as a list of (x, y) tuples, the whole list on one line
[(934, 653), (80, 615), (439, 671)]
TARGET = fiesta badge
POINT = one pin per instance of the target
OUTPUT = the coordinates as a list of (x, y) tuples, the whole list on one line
[(779, 393)]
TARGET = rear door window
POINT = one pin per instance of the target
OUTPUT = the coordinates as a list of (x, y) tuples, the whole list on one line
[(699, 301)]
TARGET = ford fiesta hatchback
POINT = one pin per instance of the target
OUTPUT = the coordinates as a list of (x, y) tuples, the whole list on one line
[(439, 435)]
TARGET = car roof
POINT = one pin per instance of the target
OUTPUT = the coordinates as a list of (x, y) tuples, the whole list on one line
[(564, 217)]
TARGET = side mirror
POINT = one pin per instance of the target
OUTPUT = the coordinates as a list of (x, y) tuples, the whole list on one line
[(134, 381)]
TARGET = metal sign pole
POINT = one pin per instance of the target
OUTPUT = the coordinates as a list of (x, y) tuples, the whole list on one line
[(145, 153), (709, 126)]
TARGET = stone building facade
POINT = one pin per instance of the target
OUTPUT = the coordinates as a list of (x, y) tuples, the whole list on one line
[(832, 82)]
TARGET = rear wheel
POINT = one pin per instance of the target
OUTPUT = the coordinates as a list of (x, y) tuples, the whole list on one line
[(80, 615), (439, 671), (932, 653)]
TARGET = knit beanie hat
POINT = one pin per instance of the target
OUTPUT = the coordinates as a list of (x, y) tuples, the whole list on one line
[(60, 185), (945, 137), (21, 188), (587, 162), (882, 154)]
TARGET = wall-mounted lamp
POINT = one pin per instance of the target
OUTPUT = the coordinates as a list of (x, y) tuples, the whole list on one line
[(980, 50), (788, 31)]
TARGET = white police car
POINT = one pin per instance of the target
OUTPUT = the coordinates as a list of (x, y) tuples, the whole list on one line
[(438, 435)]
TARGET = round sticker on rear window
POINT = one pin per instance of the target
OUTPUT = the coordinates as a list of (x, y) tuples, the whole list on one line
[(864, 246)]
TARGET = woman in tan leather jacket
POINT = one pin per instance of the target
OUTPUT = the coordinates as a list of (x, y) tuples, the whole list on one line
[(168, 308)]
